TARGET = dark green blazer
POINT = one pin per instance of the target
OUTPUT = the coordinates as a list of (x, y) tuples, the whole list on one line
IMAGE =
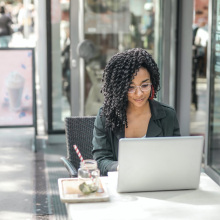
[(163, 123)]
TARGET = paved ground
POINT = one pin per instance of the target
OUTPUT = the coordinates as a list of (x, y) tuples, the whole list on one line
[(16, 174), (28, 186)]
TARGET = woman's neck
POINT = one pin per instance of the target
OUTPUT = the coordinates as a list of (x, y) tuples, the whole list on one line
[(131, 109)]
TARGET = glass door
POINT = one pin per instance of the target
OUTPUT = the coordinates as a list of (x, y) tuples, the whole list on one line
[(58, 58), (99, 30), (111, 27), (83, 35), (213, 142)]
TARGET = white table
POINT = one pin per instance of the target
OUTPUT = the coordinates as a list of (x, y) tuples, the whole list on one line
[(203, 203)]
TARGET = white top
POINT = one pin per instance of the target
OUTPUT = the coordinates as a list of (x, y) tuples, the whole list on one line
[(201, 204), (202, 36)]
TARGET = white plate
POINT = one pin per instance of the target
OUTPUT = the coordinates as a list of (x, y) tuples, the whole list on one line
[(70, 193)]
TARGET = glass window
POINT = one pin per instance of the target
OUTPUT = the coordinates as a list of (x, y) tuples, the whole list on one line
[(111, 26), (60, 67), (214, 97), (199, 66)]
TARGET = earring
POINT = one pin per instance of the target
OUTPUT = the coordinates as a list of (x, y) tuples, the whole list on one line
[(151, 93)]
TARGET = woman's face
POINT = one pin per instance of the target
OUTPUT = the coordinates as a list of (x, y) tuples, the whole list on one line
[(139, 98)]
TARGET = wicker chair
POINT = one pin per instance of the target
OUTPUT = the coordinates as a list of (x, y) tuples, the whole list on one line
[(79, 131)]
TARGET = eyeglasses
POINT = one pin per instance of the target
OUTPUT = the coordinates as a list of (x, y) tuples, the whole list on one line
[(144, 87)]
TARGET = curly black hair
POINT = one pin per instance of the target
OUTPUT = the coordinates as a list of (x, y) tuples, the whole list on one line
[(117, 77)]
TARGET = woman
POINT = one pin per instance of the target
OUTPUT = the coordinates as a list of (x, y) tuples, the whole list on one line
[(131, 81)]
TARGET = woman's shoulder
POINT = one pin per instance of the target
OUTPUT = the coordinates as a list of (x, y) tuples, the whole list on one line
[(100, 117), (157, 103), (167, 107), (99, 114), (162, 109)]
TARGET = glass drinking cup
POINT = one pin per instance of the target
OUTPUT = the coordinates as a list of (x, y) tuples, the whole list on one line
[(89, 174)]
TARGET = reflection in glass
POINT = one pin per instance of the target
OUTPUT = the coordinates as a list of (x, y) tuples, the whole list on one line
[(60, 38), (214, 108), (17, 24), (114, 26), (200, 37), (110, 26)]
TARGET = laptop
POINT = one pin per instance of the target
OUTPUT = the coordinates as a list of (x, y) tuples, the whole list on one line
[(162, 163)]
